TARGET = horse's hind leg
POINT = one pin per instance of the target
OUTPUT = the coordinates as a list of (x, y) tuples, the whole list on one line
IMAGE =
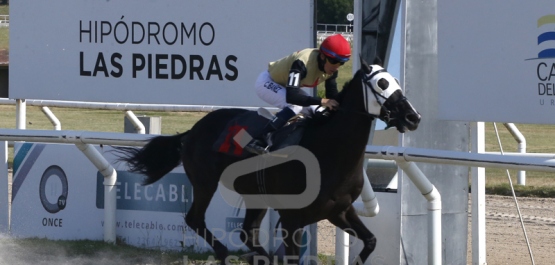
[(251, 232), (349, 222), (196, 220)]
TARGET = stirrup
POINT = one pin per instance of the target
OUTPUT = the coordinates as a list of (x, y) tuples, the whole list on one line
[(322, 111), (257, 147)]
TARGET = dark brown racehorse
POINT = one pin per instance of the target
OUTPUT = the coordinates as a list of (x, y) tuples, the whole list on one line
[(338, 148)]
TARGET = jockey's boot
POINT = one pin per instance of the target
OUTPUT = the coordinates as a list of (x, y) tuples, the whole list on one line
[(259, 145)]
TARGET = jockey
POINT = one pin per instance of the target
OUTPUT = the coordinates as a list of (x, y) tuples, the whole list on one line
[(280, 85)]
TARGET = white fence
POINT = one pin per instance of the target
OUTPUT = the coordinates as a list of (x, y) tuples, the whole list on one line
[(84, 141), (335, 28), (21, 108), (406, 155), (325, 30), (4, 20), (403, 156)]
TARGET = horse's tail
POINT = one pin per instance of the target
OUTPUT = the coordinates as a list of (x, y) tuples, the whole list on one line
[(156, 159)]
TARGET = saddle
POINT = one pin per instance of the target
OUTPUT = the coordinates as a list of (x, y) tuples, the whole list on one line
[(243, 128)]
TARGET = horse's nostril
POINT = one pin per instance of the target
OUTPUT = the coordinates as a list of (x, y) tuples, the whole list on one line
[(413, 118)]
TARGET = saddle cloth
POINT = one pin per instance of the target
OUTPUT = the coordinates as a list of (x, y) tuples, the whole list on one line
[(243, 128)]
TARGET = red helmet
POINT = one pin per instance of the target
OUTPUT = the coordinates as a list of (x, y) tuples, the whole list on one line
[(335, 46)]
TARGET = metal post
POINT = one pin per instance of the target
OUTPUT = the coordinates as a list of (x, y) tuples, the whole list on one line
[(110, 189), (369, 206), (52, 118), (341, 247), (521, 175), (20, 113), (434, 209), (4, 189), (478, 195), (139, 127)]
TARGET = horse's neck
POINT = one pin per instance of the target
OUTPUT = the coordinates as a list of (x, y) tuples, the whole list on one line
[(346, 131), (355, 126), (340, 145), (352, 116)]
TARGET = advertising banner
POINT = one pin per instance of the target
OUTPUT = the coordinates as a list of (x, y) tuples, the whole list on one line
[(152, 51), (496, 61), (59, 194)]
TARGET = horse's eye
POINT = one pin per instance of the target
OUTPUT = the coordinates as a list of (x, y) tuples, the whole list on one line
[(383, 84)]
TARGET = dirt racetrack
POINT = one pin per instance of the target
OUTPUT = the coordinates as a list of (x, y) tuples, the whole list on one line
[(505, 242)]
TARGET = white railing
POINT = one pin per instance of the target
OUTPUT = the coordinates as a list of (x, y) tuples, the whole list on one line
[(84, 141), (21, 108), (404, 155), (336, 28), (121, 106), (521, 141), (4, 20), (325, 30)]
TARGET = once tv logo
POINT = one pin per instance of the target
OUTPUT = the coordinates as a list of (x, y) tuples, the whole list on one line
[(50, 177)]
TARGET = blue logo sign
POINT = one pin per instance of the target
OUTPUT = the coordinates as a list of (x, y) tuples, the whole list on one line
[(172, 193), (234, 224), (547, 37)]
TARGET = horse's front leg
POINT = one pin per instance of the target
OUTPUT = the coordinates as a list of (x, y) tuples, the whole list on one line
[(250, 235), (292, 239), (195, 219), (349, 222)]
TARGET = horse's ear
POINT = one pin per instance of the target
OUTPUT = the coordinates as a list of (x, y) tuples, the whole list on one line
[(367, 69), (378, 61)]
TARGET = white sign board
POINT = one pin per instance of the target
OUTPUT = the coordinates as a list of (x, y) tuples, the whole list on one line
[(151, 51), (496, 61), (57, 193)]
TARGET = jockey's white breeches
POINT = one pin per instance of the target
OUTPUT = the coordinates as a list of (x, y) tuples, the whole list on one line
[(275, 94)]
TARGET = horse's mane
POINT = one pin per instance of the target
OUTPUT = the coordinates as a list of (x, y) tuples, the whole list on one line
[(347, 84)]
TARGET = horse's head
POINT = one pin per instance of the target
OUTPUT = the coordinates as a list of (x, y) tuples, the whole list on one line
[(383, 98)]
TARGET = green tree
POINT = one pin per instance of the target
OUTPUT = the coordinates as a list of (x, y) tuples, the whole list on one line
[(333, 11)]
